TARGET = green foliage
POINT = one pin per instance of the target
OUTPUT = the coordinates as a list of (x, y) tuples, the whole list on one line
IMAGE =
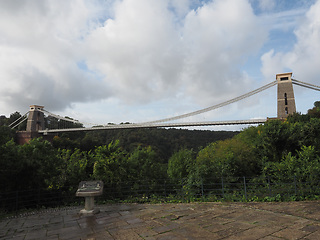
[(275, 139), (181, 164), (164, 142), (315, 111), (6, 134), (272, 140), (30, 166), (41, 164), (78, 166), (305, 167), (275, 157), (109, 163), (309, 134), (11, 167), (145, 164), (63, 143), (232, 158)]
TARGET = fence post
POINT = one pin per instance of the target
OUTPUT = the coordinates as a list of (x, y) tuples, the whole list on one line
[(182, 190), (38, 198), (245, 188), (17, 200), (269, 186), (201, 187), (295, 184), (222, 187)]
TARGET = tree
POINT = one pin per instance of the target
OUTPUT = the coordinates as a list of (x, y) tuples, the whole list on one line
[(6, 134), (41, 165), (308, 134), (305, 167), (181, 164), (15, 116), (109, 163), (11, 162), (272, 140), (315, 111), (30, 166), (228, 158), (78, 166), (144, 164)]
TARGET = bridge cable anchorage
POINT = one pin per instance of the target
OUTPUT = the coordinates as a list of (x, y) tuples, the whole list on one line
[(18, 120), (306, 85), (249, 94)]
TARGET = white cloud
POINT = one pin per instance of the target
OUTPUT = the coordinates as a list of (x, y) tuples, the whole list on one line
[(180, 7), (267, 5), (58, 53), (39, 49), (219, 39), (147, 56), (138, 51), (304, 58)]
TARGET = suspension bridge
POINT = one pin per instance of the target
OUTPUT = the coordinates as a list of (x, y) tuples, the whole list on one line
[(285, 106)]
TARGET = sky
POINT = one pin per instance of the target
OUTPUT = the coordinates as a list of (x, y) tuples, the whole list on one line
[(112, 61)]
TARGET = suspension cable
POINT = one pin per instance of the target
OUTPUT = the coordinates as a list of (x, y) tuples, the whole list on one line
[(67, 119), (59, 117), (19, 123), (18, 120), (216, 106), (306, 85), (233, 100)]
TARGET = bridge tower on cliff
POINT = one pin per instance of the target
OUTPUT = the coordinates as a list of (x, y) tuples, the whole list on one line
[(35, 119), (285, 106), (286, 102), (35, 123)]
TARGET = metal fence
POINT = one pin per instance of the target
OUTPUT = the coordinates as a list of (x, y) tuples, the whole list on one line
[(217, 189), (228, 188)]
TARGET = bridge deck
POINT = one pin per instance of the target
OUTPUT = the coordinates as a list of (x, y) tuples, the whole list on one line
[(155, 125)]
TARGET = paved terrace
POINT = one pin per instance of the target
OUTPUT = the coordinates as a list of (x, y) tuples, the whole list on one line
[(267, 221)]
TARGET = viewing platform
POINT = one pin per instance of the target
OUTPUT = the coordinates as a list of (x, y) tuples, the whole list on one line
[(227, 220)]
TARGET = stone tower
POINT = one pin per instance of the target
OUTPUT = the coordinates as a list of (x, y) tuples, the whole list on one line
[(35, 119), (286, 102), (35, 123)]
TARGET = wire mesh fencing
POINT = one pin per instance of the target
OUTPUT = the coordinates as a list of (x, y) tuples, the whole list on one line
[(165, 190)]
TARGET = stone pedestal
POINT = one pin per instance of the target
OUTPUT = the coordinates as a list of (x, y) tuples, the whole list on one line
[(88, 190), (89, 206)]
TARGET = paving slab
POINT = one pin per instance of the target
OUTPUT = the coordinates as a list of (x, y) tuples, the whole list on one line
[(254, 220)]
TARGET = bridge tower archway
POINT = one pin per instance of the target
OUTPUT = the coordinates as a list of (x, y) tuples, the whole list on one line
[(285, 98)]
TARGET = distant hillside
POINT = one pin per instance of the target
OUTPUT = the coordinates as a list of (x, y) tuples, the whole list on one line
[(163, 141)]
